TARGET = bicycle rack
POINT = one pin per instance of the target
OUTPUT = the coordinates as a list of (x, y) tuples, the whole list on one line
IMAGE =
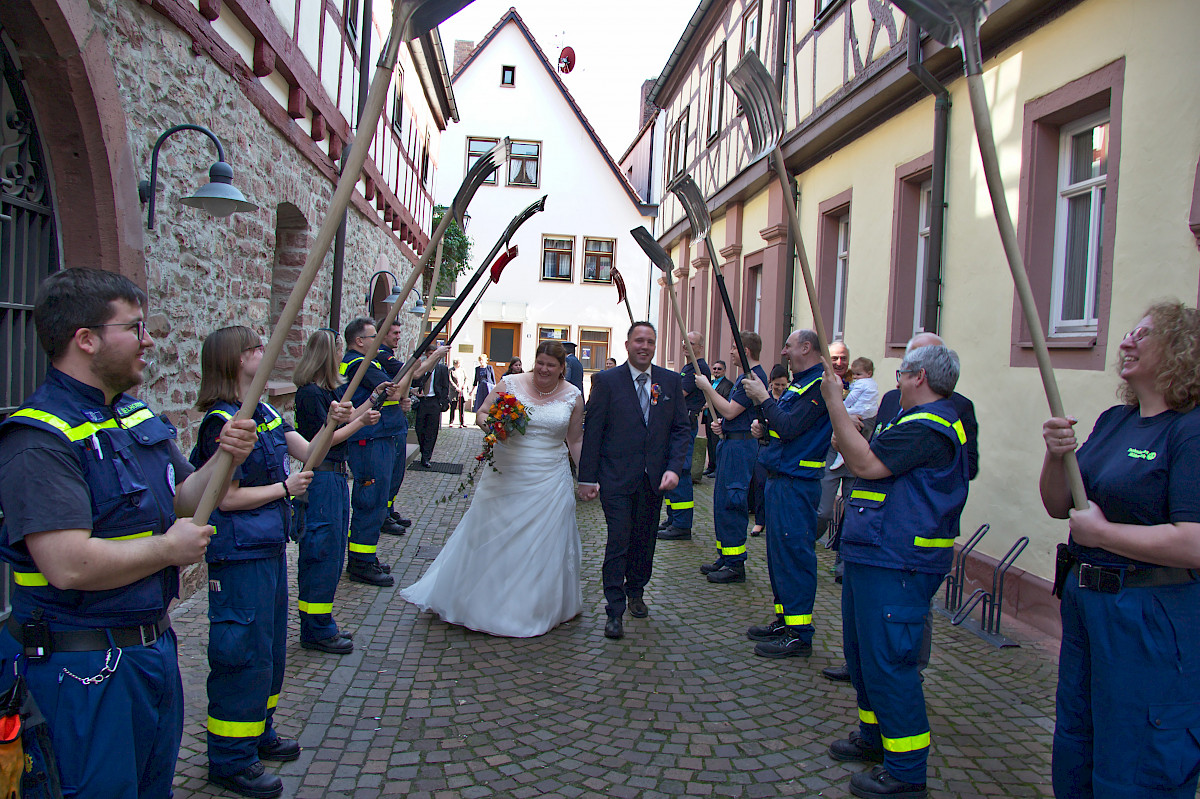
[(991, 603), (955, 580)]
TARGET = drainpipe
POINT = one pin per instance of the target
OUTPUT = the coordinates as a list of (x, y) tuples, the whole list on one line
[(937, 201), (339, 241)]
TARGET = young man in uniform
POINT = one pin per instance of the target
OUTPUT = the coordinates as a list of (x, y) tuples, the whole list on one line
[(679, 500)]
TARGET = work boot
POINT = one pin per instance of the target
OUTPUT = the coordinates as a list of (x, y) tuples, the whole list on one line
[(253, 781), (400, 520), (788, 645), (664, 524), (837, 673), (334, 645), (729, 573), (855, 749), (281, 750), (674, 534), (878, 782), (709, 568), (370, 572), (391, 527), (767, 632)]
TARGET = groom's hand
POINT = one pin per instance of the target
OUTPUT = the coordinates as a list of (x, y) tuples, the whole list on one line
[(669, 481), (588, 492)]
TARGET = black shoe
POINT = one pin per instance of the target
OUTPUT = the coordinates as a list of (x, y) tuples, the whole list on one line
[(710, 472), (855, 749), (729, 573), (390, 527), (837, 673), (346, 635), (424, 464), (767, 632), (664, 524), (334, 645), (637, 608), (400, 520), (709, 568), (878, 782), (613, 628), (674, 534), (755, 532), (788, 645), (251, 781), (370, 572), (280, 750)]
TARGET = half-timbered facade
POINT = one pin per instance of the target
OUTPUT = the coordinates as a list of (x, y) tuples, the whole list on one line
[(1098, 132)]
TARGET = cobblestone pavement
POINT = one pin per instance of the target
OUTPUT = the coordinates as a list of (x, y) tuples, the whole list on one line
[(679, 707)]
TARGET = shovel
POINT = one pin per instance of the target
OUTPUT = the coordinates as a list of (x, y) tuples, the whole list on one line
[(755, 89), (497, 268), (621, 295), (410, 18), (660, 258), (955, 23)]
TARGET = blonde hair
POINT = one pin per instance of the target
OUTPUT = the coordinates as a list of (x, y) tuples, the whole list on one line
[(317, 364), (1176, 332)]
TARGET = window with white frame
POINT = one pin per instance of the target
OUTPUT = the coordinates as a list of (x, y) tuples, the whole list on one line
[(553, 333), (476, 148), (598, 260), (751, 20), (1079, 222), (923, 227), (840, 276), (398, 104), (716, 92), (556, 257), (677, 144), (756, 294), (523, 163)]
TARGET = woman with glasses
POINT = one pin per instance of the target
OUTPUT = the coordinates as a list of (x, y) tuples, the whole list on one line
[(1128, 700), (247, 571)]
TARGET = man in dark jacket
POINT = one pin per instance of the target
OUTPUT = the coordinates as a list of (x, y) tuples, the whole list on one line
[(433, 400), (574, 367)]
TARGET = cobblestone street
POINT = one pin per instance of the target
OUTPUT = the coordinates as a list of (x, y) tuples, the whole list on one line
[(679, 707)]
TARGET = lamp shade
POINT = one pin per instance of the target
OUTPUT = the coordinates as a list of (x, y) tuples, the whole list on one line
[(219, 196), (418, 309)]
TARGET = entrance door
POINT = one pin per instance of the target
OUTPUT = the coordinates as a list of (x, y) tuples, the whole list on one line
[(502, 343)]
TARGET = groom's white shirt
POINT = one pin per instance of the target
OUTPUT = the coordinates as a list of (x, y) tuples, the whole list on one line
[(633, 373)]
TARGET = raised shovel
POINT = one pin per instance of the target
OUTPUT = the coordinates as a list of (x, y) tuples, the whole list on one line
[(955, 23), (410, 18), (621, 295), (497, 268)]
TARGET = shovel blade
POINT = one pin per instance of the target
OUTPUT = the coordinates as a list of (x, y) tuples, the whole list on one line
[(521, 218), (692, 200), (945, 20), (476, 175), (755, 90), (658, 256)]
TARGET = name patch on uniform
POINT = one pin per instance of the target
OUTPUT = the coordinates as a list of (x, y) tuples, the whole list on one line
[(1142, 454), (95, 416)]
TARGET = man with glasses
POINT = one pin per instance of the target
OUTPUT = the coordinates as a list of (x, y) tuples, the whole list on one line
[(95, 495)]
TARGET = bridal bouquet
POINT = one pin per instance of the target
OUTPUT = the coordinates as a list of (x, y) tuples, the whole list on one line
[(508, 415)]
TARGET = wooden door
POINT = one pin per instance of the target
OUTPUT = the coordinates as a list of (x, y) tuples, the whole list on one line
[(502, 343)]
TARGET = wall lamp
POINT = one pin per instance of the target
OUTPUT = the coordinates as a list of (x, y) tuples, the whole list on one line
[(218, 197), (418, 308)]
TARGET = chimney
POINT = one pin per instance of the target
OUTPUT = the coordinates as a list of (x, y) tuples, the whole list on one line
[(647, 108), (462, 51)]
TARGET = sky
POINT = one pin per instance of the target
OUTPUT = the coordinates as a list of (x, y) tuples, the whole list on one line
[(618, 44)]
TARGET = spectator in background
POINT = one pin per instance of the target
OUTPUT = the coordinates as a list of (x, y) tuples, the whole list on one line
[(758, 483), (458, 392), (574, 367), (723, 385), (514, 367)]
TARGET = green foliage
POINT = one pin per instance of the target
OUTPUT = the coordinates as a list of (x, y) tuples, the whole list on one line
[(456, 252)]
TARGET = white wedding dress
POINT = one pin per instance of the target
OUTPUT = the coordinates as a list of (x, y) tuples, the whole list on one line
[(511, 567)]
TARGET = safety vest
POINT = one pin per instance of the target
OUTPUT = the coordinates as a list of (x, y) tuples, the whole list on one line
[(124, 451), (909, 521), (346, 369), (258, 532), (804, 455)]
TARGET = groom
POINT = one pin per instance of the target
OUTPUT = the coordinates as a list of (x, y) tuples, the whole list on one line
[(635, 439)]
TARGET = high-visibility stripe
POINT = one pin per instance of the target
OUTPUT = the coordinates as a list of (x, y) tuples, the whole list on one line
[(805, 387), (236, 729), (860, 494), (266, 427), (314, 608), (867, 716), (226, 415), (390, 501), (813, 464), (342, 367), (778, 609), (732, 550), (682, 505), (933, 542), (272, 701), (30, 578), (77, 433), (363, 549), (910, 744), (390, 402), (772, 434), (933, 417), (797, 621), (132, 535)]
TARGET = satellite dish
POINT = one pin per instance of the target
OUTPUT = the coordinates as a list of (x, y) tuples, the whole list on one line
[(566, 60)]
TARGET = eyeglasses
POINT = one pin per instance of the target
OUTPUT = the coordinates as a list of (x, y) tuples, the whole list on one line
[(138, 325), (906, 372), (1137, 334)]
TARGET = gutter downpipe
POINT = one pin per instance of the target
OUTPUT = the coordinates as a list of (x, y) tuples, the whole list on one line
[(937, 201), (339, 241), (781, 40)]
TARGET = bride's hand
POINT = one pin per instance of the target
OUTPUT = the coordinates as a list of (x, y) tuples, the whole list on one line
[(588, 492)]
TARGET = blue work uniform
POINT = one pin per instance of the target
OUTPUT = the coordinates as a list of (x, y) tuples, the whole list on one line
[(325, 509), (110, 468), (798, 435), (393, 418), (247, 597), (679, 500), (898, 543), (1128, 701), (736, 455), (371, 454)]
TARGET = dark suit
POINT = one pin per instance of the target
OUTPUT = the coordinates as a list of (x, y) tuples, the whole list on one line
[(574, 372), (430, 409), (627, 457)]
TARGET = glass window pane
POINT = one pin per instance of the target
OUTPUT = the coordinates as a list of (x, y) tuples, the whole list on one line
[(1075, 267), (524, 148), (1089, 154)]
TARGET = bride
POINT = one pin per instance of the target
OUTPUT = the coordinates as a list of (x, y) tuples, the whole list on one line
[(511, 567)]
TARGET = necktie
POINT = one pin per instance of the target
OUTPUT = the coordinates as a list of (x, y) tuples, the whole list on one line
[(644, 396)]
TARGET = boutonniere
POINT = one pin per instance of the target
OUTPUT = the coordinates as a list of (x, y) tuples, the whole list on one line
[(654, 394)]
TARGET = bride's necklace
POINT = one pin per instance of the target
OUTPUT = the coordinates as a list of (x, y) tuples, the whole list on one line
[(543, 393)]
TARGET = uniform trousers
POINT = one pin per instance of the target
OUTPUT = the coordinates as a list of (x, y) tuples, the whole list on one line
[(883, 621), (679, 500), (247, 642), (791, 549), (322, 554), (632, 519), (731, 514), (399, 461), (1128, 702), (116, 738), (371, 461)]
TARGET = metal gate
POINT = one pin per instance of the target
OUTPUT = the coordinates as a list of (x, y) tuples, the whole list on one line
[(28, 245)]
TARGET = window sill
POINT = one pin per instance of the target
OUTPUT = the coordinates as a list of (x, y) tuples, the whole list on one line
[(556, 279), (597, 282), (1064, 343), (521, 185)]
